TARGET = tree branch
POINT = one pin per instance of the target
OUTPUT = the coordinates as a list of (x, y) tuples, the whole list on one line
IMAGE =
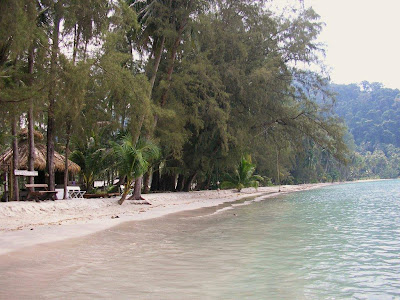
[(22, 99)]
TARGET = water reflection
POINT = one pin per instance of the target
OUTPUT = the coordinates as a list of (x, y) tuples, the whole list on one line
[(336, 242)]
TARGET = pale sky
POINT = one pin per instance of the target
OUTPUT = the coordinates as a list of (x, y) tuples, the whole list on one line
[(362, 39)]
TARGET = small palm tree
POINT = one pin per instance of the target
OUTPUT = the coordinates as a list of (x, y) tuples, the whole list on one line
[(243, 176), (133, 160), (89, 156)]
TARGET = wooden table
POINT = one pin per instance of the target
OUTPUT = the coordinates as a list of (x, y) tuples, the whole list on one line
[(40, 195)]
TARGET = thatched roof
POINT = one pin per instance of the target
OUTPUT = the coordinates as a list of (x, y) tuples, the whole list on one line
[(40, 159), (23, 135)]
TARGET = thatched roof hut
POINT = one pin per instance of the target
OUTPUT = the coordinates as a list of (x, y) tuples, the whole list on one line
[(40, 156)]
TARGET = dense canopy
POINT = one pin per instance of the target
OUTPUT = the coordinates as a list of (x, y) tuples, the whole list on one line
[(207, 81)]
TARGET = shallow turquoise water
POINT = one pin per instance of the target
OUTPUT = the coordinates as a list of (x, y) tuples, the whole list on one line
[(337, 242)]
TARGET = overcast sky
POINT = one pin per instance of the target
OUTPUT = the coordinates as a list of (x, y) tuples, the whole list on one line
[(362, 39)]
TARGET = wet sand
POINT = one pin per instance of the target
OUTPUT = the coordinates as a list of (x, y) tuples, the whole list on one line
[(25, 224)]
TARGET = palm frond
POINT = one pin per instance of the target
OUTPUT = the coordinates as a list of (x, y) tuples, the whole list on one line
[(133, 160), (243, 176)]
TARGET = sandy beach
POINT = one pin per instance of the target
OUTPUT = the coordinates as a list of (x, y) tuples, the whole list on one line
[(24, 224)]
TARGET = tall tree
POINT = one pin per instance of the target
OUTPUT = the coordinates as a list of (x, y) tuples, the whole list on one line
[(16, 47), (133, 160), (57, 10), (85, 20), (15, 158)]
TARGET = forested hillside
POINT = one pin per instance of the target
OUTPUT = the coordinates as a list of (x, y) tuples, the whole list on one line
[(207, 82), (371, 113)]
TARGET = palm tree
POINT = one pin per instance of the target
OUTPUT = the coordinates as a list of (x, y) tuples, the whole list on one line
[(90, 157), (133, 160), (243, 176)]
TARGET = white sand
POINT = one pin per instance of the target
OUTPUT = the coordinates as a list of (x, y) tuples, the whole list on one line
[(24, 224)]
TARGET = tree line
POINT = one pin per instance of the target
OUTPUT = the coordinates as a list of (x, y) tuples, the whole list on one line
[(371, 113), (207, 81)]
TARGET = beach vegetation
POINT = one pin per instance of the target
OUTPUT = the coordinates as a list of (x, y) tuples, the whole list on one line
[(90, 157), (205, 81), (243, 176), (371, 113), (133, 160)]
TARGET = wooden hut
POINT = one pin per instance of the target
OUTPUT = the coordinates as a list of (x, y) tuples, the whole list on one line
[(40, 159)]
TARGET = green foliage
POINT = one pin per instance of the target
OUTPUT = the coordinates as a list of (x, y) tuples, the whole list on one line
[(90, 157), (133, 159), (73, 88), (17, 27), (243, 176), (371, 114), (237, 89), (206, 80)]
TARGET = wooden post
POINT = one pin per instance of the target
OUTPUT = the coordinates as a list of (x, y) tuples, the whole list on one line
[(10, 183), (6, 187), (15, 159), (31, 138), (277, 168)]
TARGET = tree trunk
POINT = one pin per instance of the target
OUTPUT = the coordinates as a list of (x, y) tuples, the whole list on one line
[(123, 197), (205, 185), (15, 158), (50, 147), (137, 193), (31, 136), (125, 193), (137, 190), (153, 77), (66, 173), (188, 183), (146, 181), (277, 169), (11, 182), (68, 123), (172, 62), (52, 99), (170, 183), (170, 70), (77, 35), (167, 182), (152, 81), (85, 50), (157, 60), (155, 181), (180, 183), (120, 181)]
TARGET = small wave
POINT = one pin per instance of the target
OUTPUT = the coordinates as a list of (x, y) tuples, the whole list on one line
[(243, 204), (222, 210)]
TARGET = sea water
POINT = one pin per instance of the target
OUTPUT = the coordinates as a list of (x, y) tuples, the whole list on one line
[(336, 242)]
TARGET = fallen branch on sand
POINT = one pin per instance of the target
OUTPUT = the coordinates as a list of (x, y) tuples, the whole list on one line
[(141, 202)]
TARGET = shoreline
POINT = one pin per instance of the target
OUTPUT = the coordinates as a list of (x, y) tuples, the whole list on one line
[(26, 224)]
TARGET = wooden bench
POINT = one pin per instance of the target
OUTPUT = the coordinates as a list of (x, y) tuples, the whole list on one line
[(40, 195), (98, 195), (111, 195)]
